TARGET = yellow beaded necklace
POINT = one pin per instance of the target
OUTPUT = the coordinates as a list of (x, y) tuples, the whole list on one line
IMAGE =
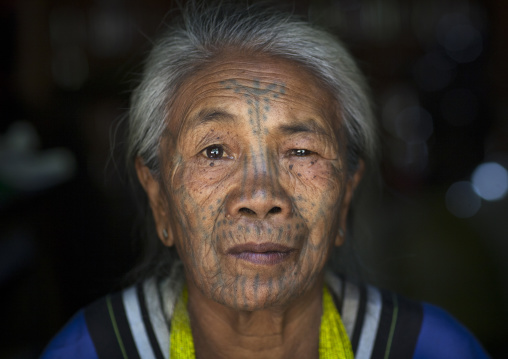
[(333, 340)]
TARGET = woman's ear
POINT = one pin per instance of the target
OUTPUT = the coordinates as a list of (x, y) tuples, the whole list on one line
[(156, 200), (350, 188)]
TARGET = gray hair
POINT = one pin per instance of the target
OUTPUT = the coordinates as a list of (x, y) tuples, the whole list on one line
[(205, 31)]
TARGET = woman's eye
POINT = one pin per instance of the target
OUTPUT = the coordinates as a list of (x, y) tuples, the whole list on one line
[(214, 152), (301, 152)]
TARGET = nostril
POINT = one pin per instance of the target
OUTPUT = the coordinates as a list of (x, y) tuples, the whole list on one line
[(275, 210), (246, 211), (249, 212)]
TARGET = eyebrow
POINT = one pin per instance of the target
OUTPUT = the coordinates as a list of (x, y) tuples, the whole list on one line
[(310, 126), (212, 115)]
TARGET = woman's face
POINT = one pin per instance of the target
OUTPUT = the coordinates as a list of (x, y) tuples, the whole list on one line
[(254, 186)]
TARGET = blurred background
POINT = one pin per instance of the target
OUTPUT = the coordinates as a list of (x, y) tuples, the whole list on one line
[(438, 227)]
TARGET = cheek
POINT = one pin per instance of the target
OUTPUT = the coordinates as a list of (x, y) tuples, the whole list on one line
[(315, 172), (202, 181), (318, 189), (316, 178), (199, 196)]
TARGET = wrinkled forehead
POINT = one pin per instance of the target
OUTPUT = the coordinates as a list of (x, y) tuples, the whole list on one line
[(234, 74)]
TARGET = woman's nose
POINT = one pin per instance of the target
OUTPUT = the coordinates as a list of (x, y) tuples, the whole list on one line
[(258, 206), (259, 196)]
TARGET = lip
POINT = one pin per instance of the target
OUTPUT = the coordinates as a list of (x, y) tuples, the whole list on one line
[(261, 253)]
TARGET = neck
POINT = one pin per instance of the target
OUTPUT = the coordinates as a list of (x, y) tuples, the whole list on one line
[(222, 332)]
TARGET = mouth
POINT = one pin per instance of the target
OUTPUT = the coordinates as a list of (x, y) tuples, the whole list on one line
[(262, 253)]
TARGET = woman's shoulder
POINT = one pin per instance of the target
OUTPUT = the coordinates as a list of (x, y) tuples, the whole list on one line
[(442, 336), (73, 341), (383, 324), (122, 324)]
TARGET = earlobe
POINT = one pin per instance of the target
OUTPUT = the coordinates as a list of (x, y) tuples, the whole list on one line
[(350, 188), (156, 200), (341, 236)]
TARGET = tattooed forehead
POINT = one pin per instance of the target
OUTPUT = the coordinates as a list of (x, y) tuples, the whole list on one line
[(255, 93), (254, 88), (258, 97)]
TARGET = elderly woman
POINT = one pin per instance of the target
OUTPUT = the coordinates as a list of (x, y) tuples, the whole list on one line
[(249, 133)]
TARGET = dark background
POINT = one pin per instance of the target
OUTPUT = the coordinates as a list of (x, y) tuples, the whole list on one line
[(439, 75)]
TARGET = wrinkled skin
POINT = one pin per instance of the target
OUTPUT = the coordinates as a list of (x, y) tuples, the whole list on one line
[(254, 186)]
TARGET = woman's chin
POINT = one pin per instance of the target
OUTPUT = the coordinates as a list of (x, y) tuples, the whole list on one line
[(251, 293)]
